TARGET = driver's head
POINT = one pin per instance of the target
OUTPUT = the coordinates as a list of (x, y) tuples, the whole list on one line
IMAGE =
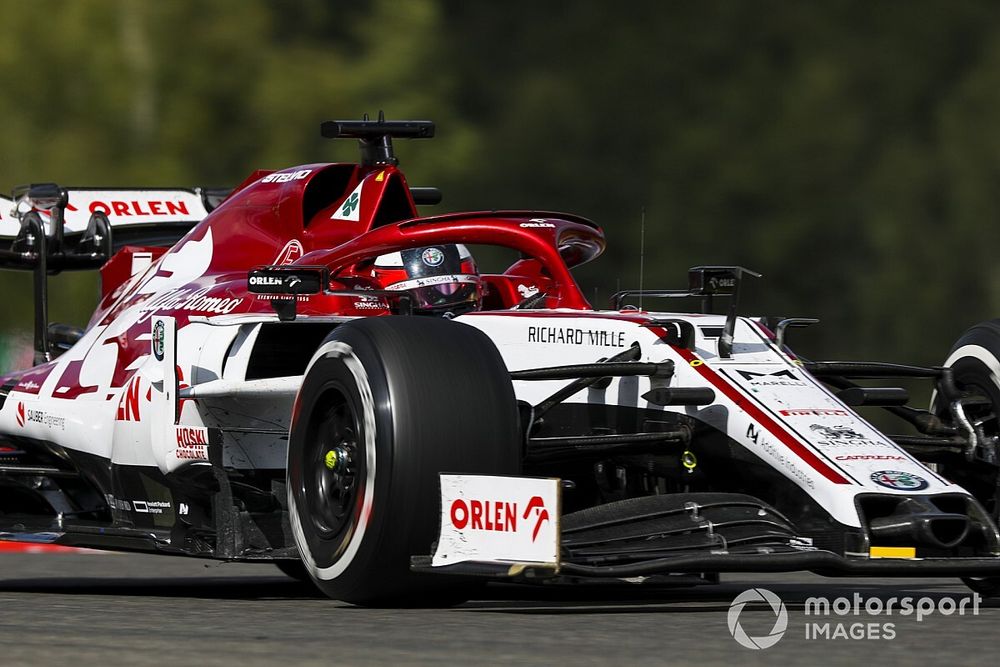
[(439, 278)]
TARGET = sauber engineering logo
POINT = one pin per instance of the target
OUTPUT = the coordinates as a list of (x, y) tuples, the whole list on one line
[(497, 515), (41, 417)]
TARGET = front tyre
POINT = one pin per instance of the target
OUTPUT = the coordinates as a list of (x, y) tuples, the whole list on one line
[(386, 405)]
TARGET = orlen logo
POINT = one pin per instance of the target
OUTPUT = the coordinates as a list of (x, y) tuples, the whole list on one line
[(541, 514), (537, 223), (156, 207), (20, 415), (497, 515), (128, 405), (721, 283), (291, 252)]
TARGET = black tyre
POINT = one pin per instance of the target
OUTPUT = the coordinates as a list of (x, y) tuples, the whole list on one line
[(386, 405), (975, 362)]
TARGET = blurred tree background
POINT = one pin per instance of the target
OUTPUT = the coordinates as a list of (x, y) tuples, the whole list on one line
[(848, 150)]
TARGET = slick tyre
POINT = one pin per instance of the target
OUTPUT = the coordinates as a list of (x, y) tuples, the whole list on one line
[(387, 404), (975, 362)]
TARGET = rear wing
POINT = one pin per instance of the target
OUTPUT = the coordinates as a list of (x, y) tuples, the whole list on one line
[(46, 229), (81, 228)]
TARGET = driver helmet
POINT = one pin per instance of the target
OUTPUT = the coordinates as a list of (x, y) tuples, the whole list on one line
[(440, 279)]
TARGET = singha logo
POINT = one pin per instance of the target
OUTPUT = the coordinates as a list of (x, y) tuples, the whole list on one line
[(836, 432)]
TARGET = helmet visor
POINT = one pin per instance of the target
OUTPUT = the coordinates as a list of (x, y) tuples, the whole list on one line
[(440, 292)]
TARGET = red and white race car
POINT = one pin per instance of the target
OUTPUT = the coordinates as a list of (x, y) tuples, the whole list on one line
[(308, 372)]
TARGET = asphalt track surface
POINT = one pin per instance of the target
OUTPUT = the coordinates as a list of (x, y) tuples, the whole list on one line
[(114, 609)]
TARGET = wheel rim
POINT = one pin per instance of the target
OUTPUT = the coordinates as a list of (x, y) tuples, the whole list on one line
[(335, 463)]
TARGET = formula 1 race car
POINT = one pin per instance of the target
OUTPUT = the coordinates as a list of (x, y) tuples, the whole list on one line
[(306, 372)]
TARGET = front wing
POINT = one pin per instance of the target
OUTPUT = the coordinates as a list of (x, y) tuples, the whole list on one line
[(512, 528)]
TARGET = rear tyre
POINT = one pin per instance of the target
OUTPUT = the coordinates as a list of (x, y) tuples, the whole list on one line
[(975, 363), (386, 405)]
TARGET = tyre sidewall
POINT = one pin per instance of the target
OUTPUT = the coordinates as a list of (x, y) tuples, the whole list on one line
[(975, 361)]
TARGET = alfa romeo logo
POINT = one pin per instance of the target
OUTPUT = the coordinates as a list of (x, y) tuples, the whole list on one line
[(780, 618), (432, 256), (902, 481), (159, 334)]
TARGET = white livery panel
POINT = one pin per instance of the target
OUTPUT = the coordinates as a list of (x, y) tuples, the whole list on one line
[(764, 400), (491, 518)]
